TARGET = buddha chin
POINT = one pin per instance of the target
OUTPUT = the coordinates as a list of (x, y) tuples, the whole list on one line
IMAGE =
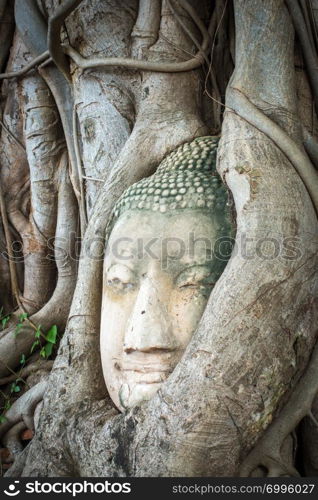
[(142, 375), (136, 393)]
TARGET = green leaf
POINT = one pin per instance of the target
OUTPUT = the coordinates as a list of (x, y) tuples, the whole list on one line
[(34, 345), (22, 317), (7, 405), (15, 387), (48, 349), (2, 419), (52, 334), (37, 334), (4, 321), (18, 328), (22, 359)]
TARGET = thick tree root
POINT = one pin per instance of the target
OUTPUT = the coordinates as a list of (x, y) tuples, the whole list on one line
[(22, 415), (41, 364), (55, 312), (54, 33), (267, 452), (121, 62), (45, 57), (23, 409), (243, 106), (12, 440)]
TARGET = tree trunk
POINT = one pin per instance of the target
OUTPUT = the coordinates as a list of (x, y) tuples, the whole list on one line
[(258, 331)]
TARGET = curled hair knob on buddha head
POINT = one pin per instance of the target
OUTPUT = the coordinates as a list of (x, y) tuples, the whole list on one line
[(186, 178)]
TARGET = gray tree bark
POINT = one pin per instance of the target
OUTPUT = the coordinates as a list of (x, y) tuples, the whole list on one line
[(258, 331)]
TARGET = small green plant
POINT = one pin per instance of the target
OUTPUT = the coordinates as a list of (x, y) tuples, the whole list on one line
[(51, 338), (15, 386), (37, 336), (47, 347), (4, 318), (5, 407), (22, 318)]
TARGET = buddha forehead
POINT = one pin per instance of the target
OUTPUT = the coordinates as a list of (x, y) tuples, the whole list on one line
[(176, 223), (182, 235)]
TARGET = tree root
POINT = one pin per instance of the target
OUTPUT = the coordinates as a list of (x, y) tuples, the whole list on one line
[(81, 195), (23, 414), (40, 364), (146, 29), (32, 27), (53, 36), (55, 311), (309, 53), (122, 62), (7, 233), (45, 56), (267, 452), (23, 409), (12, 440), (311, 146), (12, 346), (243, 107), (195, 18)]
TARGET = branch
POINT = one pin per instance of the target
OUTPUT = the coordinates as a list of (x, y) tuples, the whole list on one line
[(309, 53), (53, 36), (32, 27), (311, 146), (12, 267), (81, 198), (23, 408), (146, 29), (305, 10), (122, 62), (12, 439), (244, 108), (25, 372), (16, 140), (35, 62), (199, 23)]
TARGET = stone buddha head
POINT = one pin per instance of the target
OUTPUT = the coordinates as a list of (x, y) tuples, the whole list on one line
[(168, 241)]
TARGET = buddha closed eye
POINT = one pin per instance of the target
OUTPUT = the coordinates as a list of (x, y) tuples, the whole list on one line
[(154, 294)]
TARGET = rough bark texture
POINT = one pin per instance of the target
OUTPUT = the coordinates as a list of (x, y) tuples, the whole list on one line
[(259, 328)]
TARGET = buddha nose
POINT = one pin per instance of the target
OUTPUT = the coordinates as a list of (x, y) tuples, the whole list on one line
[(149, 328)]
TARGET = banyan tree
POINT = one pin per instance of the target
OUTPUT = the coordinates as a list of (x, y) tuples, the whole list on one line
[(158, 232)]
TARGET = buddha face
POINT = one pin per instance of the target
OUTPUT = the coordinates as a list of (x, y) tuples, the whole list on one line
[(159, 270)]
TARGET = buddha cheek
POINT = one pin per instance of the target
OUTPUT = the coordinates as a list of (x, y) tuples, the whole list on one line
[(186, 308), (116, 309)]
